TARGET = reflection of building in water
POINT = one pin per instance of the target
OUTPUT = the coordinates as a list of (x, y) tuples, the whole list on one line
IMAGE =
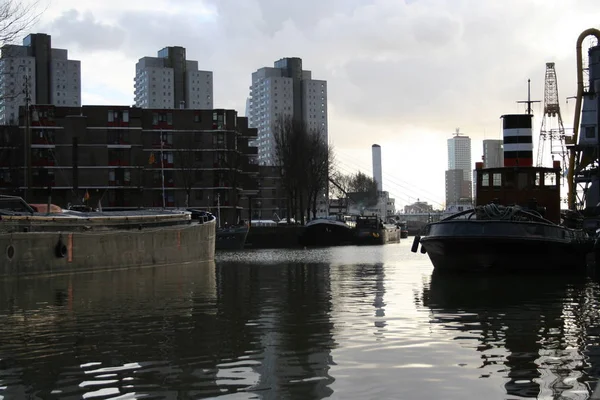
[(287, 324), (528, 318), (173, 332)]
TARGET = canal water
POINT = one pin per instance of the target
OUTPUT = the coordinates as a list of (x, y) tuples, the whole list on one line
[(346, 323)]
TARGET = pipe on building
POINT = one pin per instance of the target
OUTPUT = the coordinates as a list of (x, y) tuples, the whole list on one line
[(578, 101)]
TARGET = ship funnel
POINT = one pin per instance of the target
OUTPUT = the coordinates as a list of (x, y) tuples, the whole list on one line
[(518, 145)]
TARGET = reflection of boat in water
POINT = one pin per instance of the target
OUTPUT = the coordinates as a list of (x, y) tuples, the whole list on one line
[(516, 223), (65, 241), (528, 332), (326, 232), (232, 237), (372, 230)]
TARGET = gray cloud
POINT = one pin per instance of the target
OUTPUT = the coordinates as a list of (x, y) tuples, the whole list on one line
[(430, 63), (83, 31)]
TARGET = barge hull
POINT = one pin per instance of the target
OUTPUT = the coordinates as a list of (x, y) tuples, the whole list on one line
[(39, 253)]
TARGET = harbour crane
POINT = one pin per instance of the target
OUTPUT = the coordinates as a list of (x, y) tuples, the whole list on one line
[(552, 128)]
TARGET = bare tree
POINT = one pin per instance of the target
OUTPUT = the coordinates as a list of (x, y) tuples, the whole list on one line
[(320, 162), (304, 159), (16, 17), (341, 185), (363, 190), (286, 132)]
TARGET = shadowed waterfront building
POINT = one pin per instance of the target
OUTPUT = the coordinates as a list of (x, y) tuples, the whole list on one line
[(288, 90), (37, 70), (124, 156), (172, 81)]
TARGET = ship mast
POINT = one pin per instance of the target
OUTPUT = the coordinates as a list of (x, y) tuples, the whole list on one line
[(27, 142), (529, 102)]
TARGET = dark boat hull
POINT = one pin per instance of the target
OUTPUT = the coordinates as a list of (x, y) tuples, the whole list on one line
[(326, 235), (231, 238), (504, 245)]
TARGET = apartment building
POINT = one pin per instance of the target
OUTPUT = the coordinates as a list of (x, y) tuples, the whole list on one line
[(120, 156), (38, 72), (284, 90), (172, 81)]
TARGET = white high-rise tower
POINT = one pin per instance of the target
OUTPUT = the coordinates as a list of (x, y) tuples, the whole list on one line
[(172, 81), (284, 90), (459, 176), (36, 69)]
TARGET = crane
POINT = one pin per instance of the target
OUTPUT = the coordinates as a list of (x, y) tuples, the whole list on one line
[(552, 128)]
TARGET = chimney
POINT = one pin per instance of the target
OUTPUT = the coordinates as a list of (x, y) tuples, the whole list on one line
[(377, 174)]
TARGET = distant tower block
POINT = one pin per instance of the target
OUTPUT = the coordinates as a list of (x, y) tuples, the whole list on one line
[(518, 145), (377, 174)]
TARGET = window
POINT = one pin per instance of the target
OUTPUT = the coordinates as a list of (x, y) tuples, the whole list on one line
[(219, 140), (590, 132), (485, 179), (497, 180)]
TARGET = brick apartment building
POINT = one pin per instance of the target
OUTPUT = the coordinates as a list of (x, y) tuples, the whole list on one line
[(112, 156)]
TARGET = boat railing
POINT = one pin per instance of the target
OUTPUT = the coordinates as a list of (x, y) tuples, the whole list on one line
[(499, 212)]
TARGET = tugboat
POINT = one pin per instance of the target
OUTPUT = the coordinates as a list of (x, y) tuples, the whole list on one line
[(516, 222)]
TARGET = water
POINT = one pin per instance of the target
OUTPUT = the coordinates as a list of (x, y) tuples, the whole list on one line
[(347, 323)]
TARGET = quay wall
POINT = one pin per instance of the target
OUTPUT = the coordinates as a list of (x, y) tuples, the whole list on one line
[(38, 253)]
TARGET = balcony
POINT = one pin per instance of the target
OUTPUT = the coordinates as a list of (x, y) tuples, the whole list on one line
[(119, 163), (250, 151), (119, 182)]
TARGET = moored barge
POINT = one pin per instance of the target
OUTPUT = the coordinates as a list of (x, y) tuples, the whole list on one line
[(64, 241)]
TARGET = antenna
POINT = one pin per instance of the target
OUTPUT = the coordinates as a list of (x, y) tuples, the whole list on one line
[(529, 102)]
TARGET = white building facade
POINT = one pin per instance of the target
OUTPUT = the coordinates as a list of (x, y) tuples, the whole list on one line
[(284, 90), (36, 70), (493, 153), (459, 176), (171, 81)]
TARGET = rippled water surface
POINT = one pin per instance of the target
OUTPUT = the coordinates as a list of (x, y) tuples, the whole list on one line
[(348, 322)]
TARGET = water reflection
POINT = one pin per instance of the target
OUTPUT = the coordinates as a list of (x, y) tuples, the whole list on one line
[(176, 332), (350, 323), (531, 330), (288, 308)]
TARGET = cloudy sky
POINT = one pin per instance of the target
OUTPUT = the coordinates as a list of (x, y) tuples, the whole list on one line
[(401, 73)]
